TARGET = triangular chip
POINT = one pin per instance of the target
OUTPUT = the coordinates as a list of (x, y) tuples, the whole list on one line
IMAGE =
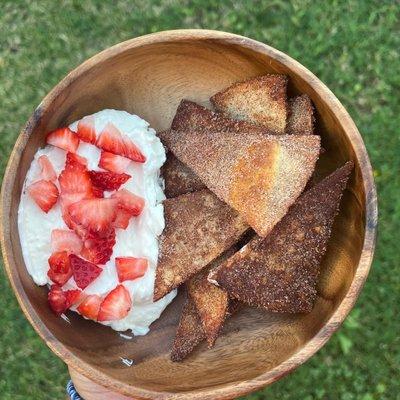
[(211, 301), (193, 116), (198, 228), (301, 116), (189, 334), (260, 100), (179, 179), (260, 176), (190, 330), (280, 272)]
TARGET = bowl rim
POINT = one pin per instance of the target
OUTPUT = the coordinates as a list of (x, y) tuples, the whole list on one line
[(225, 391)]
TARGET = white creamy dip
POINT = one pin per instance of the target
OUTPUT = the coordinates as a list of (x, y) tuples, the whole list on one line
[(140, 239)]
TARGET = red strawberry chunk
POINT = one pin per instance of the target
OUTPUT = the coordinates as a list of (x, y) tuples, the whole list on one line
[(74, 160), (60, 300), (86, 131), (106, 180), (90, 306), (65, 240), (57, 300), (129, 201), (113, 141), (63, 138), (72, 297), (122, 219), (113, 162), (44, 193), (47, 171), (75, 179), (96, 215), (84, 271), (129, 268), (116, 305), (97, 192), (60, 268), (98, 248)]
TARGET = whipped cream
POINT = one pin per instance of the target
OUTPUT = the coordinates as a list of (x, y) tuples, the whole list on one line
[(140, 239)]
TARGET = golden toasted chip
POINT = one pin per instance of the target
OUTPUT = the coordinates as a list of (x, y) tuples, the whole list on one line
[(301, 116), (189, 333), (260, 100), (280, 272), (258, 175), (198, 228), (211, 301), (179, 179)]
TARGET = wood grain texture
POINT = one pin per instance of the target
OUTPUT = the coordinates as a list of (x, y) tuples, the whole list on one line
[(149, 76)]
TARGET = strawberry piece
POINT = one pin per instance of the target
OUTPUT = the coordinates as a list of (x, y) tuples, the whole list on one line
[(129, 268), (47, 171), (60, 268), (75, 179), (98, 249), (90, 306), (84, 271), (96, 215), (113, 162), (60, 300), (122, 219), (86, 131), (75, 185), (63, 138), (116, 305), (97, 192), (73, 160), (65, 240), (72, 297), (106, 180), (44, 193), (129, 201), (113, 141), (56, 299)]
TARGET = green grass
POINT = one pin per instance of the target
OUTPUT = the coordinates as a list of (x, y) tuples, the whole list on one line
[(353, 46)]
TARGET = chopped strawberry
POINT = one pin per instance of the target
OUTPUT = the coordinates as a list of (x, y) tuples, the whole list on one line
[(116, 305), (65, 240), (97, 192), (129, 268), (106, 180), (129, 201), (63, 138), (57, 300), (113, 162), (60, 300), (96, 215), (86, 131), (72, 297), (84, 271), (75, 179), (98, 248), (113, 141), (60, 268), (73, 160), (90, 306), (122, 219), (44, 193), (47, 171)]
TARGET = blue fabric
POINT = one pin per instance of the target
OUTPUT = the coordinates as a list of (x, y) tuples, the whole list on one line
[(72, 393)]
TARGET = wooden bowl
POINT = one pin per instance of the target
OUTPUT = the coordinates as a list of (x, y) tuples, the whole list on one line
[(148, 76)]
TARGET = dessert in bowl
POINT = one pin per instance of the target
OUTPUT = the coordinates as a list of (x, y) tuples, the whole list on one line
[(149, 77)]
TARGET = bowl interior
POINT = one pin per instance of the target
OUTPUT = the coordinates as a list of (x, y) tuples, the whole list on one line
[(150, 80)]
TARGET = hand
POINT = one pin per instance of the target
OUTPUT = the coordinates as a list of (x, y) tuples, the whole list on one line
[(89, 390)]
